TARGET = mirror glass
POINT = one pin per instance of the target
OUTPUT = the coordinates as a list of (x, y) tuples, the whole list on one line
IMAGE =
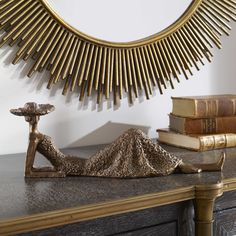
[(120, 20)]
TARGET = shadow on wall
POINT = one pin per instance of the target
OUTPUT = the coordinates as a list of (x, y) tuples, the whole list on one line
[(106, 134), (223, 69)]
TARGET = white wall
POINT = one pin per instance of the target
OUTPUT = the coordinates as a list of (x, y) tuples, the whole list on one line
[(75, 124), (113, 22)]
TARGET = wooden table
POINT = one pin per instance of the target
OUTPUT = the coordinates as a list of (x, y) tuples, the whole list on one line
[(28, 205)]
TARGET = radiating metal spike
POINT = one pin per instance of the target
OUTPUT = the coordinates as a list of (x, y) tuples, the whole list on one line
[(95, 58), (94, 64)]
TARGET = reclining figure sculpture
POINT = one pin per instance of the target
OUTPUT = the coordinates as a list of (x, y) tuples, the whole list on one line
[(132, 155)]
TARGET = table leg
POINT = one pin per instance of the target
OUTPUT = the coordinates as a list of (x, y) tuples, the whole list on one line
[(205, 196)]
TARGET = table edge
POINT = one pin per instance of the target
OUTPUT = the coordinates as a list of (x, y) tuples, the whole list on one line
[(94, 211)]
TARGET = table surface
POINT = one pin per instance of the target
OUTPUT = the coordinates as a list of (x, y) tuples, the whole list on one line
[(21, 196)]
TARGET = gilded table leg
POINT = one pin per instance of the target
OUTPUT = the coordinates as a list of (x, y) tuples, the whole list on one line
[(205, 196)]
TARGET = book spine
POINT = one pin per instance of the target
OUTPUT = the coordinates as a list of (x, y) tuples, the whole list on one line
[(217, 141), (214, 125), (209, 126), (203, 126), (215, 107)]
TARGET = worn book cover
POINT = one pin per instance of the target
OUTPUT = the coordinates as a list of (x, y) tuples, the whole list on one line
[(213, 125), (197, 142), (204, 106)]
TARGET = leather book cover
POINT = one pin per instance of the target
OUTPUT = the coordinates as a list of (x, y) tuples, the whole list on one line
[(214, 125), (204, 106), (196, 142)]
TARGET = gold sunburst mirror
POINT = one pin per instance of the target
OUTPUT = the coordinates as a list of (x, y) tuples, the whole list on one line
[(112, 68)]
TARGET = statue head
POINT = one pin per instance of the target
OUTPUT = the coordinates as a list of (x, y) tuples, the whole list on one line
[(32, 118), (32, 111)]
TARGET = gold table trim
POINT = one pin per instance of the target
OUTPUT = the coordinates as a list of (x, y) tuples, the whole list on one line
[(94, 211)]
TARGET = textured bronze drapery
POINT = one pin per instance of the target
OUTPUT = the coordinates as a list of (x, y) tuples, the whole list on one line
[(106, 67)]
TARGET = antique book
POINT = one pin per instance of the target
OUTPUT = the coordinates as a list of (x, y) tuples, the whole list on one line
[(214, 125), (197, 142), (204, 106)]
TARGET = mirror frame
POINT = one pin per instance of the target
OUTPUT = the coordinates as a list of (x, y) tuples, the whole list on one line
[(137, 43), (90, 64)]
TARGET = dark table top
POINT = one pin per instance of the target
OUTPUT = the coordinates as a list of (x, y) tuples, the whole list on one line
[(21, 196)]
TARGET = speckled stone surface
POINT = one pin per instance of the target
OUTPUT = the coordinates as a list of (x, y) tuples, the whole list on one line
[(23, 197)]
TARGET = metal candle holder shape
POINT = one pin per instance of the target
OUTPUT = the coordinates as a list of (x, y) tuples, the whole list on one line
[(110, 68), (132, 155)]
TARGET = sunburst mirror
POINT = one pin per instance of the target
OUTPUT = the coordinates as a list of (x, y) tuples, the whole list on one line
[(90, 64)]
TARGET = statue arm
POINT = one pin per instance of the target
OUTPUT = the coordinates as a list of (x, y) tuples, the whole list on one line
[(30, 170)]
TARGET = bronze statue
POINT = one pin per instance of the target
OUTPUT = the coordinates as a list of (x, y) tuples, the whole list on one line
[(132, 155)]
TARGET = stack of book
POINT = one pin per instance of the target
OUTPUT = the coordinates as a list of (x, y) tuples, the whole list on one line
[(201, 123)]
